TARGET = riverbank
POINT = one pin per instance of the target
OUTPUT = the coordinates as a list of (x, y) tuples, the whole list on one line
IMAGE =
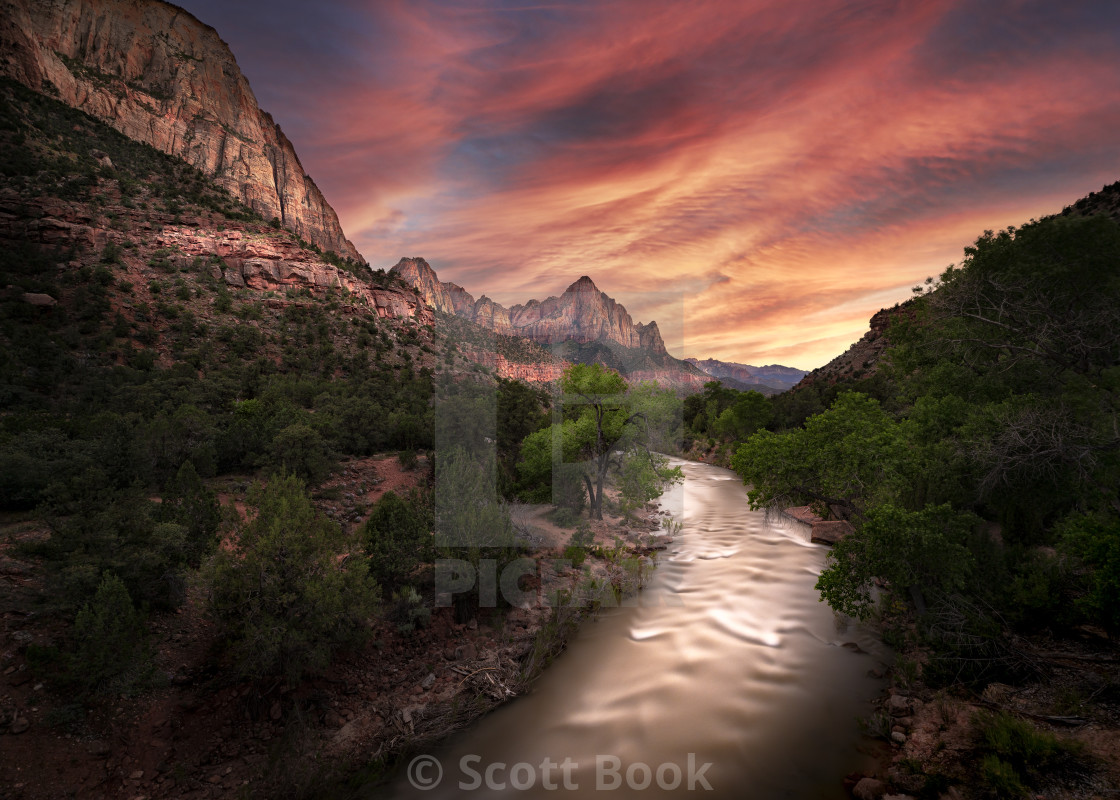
[(199, 732), (1052, 733)]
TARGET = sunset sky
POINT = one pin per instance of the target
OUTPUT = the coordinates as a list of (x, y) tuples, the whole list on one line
[(759, 176)]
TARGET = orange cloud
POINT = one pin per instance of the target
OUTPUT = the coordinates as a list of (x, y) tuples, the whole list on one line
[(760, 176)]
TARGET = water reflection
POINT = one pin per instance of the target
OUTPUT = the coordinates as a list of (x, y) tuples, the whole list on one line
[(730, 667)]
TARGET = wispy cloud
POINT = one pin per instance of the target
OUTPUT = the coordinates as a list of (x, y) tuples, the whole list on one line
[(787, 167)]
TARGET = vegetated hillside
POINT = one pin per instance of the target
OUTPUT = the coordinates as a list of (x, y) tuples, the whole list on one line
[(158, 75), (978, 465), (862, 359), (163, 348)]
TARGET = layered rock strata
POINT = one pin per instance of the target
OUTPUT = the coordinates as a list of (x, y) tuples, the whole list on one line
[(159, 76)]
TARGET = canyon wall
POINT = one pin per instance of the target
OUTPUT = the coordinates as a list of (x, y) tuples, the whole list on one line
[(158, 75)]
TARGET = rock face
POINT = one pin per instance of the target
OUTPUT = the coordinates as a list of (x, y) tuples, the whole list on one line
[(158, 75), (862, 358), (253, 259), (581, 314), (417, 273)]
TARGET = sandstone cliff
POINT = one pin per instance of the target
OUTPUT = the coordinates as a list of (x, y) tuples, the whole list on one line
[(158, 75), (583, 324), (581, 314), (861, 360)]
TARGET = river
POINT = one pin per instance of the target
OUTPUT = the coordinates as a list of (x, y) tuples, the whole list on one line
[(726, 673)]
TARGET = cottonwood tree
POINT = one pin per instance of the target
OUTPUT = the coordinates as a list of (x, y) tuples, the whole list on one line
[(841, 462), (603, 427)]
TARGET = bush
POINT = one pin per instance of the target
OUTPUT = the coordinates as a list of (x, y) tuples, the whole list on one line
[(1019, 755), (398, 539), (294, 590), (408, 611), (576, 551), (110, 655), (301, 450)]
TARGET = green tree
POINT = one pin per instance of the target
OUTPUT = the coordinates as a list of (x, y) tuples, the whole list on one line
[(109, 652), (915, 552), (293, 590), (750, 412), (841, 462), (602, 428), (187, 502), (301, 450), (398, 537)]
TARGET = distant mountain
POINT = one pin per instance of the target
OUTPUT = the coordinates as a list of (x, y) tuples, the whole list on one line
[(161, 77), (582, 324), (770, 379)]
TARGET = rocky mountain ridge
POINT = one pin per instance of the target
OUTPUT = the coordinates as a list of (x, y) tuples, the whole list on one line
[(772, 377), (583, 322), (159, 76), (581, 313)]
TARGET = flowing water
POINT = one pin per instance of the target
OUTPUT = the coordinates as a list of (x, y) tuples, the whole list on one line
[(728, 660)]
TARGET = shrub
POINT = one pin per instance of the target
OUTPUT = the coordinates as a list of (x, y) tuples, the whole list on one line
[(301, 450), (294, 590), (1019, 755), (576, 551), (398, 539), (409, 611), (109, 655)]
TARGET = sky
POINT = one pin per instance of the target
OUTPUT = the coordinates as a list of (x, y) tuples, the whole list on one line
[(759, 176)]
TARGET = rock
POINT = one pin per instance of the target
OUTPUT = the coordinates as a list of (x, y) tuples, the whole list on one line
[(233, 278), (346, 733), (581, 313), (332, 719), (898, 737), (137, 775), (897, 797), (898, 705), (869, 789), (428, 681), (19, 725), (905, 780), (37, 299), (101, 157), (276, 711), (98, 748), (179, 89), (466, 652)]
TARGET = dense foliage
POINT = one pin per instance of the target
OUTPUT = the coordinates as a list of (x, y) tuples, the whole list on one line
[(293, 590), (604, 425), (985, 483)]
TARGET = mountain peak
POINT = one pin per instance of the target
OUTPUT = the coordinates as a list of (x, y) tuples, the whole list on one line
[(584, 284)]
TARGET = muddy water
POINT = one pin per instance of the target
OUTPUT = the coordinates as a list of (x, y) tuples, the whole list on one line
[(727, 660)]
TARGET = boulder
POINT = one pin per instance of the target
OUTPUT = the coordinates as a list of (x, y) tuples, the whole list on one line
[(869, 789)]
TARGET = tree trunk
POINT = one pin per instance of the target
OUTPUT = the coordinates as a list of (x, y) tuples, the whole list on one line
[(591, 499)]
